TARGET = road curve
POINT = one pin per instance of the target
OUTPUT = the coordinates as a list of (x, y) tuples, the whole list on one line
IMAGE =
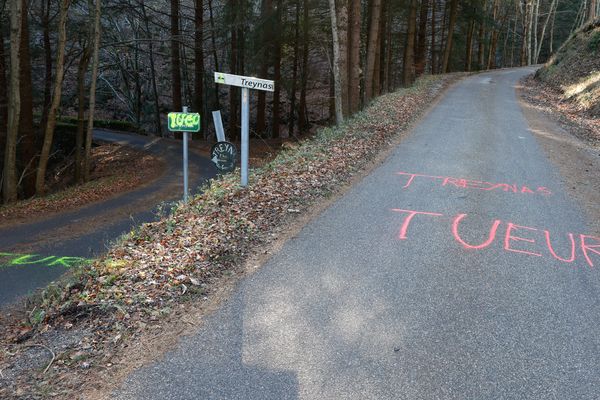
[(447, 273), (46, 247)]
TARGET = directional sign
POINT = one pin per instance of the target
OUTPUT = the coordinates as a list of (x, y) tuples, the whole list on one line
[(245, 82), (184, 122), (224, 155)]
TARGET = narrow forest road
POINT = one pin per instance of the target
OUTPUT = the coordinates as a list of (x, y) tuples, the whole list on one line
[(41, 252), (439, 276)]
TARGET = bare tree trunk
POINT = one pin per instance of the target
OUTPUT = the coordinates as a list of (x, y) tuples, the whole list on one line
[(372, 43), (433, 33), (40, 179), (47, 61), (199, 60), (593, 10), (469, 48), (292, 113), (481, 47), (267, 11), (302, 113), (26, 132), (3, 100), (409, 49), (379, 62), (292, 118), (354, 56), (79, 136), (451, 24), (422, 39), (152, 71), (388, 56), (529, 30), (513, 44), (552, 29), (175, 60), (277, 73), (536, 17), (539, 48), (9, 182), (95, 61), (342, 20), (491, 61), (524, 35), (337, 79)]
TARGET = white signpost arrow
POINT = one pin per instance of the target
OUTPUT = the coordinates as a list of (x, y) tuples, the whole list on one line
[(246, 83)]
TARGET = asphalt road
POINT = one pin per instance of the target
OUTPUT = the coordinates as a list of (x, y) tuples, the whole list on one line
[(454, 306), (35, 254)]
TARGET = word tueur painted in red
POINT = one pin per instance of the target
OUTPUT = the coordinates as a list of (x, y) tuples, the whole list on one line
[(516, 238), (473, 184)]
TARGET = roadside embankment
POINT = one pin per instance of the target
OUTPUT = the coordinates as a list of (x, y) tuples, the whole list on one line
[(148, 285)]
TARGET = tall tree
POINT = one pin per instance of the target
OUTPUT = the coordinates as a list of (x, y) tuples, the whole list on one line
[(266, 29), (3, 99), (292, 112), (354, 29), (277, 71), (45, 20), (449, 40), (234, 61), (433, 36), (40, 179), (175, 57), (491, 63), (372, 45), (337, 79), (409, 48), (95, 61), (592, 10), (302, 112), (81, 104), (420, 56), (538, 50), (199, 59), (342, 20), (26, 132), (9, 182), (469, 47)]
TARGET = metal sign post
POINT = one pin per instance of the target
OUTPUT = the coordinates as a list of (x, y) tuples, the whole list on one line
[(218, 126), (245, 134), (184, 122), (246, 83), (185, 162)]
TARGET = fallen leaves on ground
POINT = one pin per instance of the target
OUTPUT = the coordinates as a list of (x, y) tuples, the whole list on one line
[(549, 99)]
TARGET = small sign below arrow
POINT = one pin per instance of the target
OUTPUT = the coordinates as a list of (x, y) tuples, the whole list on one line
[(224, 156)]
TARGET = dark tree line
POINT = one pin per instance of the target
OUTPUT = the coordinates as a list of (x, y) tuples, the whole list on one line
[(136, 60)]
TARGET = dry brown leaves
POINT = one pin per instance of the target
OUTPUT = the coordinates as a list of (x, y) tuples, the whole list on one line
[(550, 100), (174, 260)]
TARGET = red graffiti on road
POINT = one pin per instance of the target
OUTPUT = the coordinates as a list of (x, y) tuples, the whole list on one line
[(474, 184), (514, 238)]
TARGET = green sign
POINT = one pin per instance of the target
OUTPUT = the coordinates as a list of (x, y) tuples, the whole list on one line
[(184, 122)]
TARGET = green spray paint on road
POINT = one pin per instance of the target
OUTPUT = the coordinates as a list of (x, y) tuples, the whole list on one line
[(13, 260)]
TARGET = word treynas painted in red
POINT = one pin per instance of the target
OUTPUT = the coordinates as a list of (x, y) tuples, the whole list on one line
[(473, 184), (514, 238)]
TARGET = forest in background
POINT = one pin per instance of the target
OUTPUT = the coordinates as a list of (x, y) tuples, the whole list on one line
[(69, 65)]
